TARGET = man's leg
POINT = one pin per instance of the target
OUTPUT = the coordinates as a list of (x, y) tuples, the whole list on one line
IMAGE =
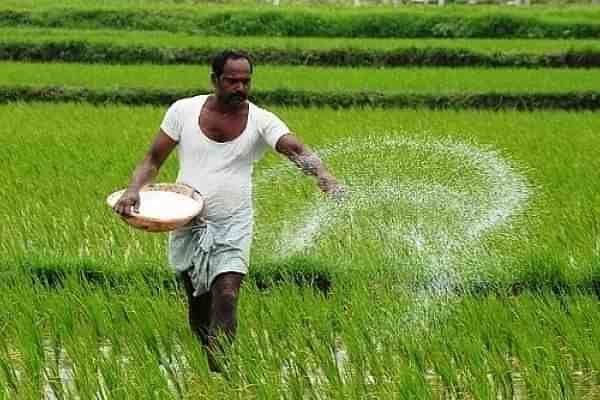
[(223, 312), (198, 310)]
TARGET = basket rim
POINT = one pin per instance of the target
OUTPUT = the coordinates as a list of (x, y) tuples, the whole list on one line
[(194, 195)]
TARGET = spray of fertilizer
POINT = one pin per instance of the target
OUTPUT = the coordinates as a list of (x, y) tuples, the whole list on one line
[(478, 193)]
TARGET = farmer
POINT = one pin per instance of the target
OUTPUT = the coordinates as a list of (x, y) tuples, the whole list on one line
[(220, 135)]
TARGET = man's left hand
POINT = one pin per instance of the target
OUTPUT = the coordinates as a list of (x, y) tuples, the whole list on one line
[(329, 185)]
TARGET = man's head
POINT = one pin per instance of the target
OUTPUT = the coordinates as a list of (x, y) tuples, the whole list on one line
[(231, 76)]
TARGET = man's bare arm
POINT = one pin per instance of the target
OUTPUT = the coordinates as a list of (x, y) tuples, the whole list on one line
[(145, 172), (298, 153)]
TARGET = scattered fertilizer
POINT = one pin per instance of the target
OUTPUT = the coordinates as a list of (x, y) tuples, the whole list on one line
[(492, 192), (440, 198)]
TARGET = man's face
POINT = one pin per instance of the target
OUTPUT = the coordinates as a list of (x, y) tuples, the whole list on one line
[(233, 86)]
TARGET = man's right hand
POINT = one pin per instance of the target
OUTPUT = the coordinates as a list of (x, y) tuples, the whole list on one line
[(127, 203)]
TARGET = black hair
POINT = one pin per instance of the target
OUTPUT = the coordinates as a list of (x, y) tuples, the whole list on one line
[(220, 59)]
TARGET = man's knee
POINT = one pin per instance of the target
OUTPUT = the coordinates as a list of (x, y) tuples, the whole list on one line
[(225, 300), (225, 283), (224, 293)]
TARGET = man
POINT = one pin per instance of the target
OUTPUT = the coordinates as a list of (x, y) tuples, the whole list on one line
[(220, 136)]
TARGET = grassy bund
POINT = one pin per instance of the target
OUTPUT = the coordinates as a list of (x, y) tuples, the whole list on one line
[(78, 51), (525, 89), (157, 47), (172, 40), (465, 262)]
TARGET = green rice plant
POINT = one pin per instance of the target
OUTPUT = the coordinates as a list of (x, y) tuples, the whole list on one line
[(409, 56), (316, 79), (118, 47), (492, 22), (510, 313), (292, 341), (172, 40), (53, 233), (566, 101), (545, 6)]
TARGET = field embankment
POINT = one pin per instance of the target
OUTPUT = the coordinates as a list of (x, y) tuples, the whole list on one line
[(135, 47), (524, 89)]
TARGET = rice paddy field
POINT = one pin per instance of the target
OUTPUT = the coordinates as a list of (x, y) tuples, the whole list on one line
[(464, 263), (164, 39), (324, 79)]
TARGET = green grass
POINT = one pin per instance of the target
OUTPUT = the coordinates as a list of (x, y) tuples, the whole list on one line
[(178, 40), (393, 80), (383, 331), (388, 329), (294, 341), (62, 160)]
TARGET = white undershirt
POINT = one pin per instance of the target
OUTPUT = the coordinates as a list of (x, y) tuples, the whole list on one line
[(221, 172)]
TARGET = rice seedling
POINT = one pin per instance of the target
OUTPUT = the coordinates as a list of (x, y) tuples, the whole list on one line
[(294, 342), (163, 39), (541, 145), (450, 214), (395, 80)]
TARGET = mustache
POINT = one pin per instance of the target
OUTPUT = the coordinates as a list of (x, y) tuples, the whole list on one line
[(237, 96)]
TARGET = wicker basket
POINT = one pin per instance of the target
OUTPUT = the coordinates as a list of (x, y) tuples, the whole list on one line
[(160, 225)]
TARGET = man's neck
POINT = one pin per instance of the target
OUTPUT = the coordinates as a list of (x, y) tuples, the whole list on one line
[(225, 108)]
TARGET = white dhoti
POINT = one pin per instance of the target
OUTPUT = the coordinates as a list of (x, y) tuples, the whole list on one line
[(205, 249)]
